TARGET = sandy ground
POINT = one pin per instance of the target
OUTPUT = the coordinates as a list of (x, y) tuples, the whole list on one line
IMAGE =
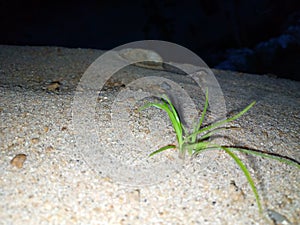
[(59, 183)]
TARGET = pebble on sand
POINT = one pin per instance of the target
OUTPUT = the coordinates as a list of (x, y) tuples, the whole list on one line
[(18, 160), (144, 57), (53, 86)]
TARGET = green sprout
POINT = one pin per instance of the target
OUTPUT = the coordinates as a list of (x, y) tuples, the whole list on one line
[(197, 141)]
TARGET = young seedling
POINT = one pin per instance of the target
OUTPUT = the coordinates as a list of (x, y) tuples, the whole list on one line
[(196, 142)]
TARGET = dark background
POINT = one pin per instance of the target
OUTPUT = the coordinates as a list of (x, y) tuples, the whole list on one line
[(254, 36)]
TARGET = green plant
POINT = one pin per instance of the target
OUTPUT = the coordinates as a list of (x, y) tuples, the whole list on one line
[(197, 141)]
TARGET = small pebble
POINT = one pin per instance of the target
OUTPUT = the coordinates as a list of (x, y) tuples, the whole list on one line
[(34, 140), (18, 160), (278, 218), (146, 58), (54, 86), (64, 128), (49, 149), (46, 129)]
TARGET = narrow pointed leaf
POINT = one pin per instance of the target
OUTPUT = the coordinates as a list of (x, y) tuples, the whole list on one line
[(269, 155), (173, 117), (196, 147), (247, 175), (194, 135), (172, 108), (217, 124), (162, 149), (209, 134)]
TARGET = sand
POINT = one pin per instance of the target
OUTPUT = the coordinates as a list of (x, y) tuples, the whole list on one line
[(64, 180)]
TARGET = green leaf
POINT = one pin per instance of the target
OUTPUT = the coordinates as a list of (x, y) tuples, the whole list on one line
[(196, 147), (173, 116), (247, 174), (210, 133), (172, 108), (222, 122), (194, 134), (162, 149), (280, 158)]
